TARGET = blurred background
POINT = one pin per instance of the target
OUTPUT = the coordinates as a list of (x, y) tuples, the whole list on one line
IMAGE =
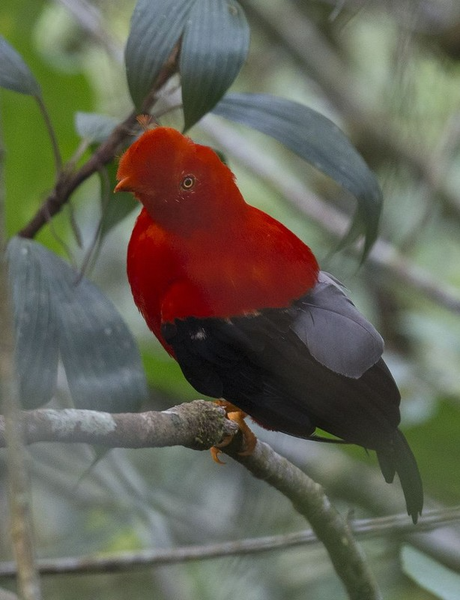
[(388, 73)]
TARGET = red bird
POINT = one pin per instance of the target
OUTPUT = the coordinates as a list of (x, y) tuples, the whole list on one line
[(239, 301)]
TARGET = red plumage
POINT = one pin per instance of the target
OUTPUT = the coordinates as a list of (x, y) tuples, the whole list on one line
[(240, 302)]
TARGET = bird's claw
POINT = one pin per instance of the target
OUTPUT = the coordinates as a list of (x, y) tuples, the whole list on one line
[(249, 439)]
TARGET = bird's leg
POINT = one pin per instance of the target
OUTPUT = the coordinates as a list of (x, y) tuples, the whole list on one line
[(249, 439)]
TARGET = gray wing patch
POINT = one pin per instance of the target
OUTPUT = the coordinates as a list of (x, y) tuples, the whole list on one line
[(334, 331)]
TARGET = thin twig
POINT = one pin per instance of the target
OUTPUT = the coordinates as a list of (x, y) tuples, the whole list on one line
[(392, 526), (359, 485), (68, 181), (18, 479)]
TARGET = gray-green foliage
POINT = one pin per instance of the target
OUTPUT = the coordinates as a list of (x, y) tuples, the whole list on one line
[(409, 84)]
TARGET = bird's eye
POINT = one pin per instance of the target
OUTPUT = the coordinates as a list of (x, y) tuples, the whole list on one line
[(188, 182)]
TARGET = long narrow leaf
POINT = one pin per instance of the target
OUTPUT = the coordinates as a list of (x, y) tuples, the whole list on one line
[(55, 311), (100, 357), (214, 48), (15, 75), (320, 142), (156, 27), (430, 574), (35, 323)]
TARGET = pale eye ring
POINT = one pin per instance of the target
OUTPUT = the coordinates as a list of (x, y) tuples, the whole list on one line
[(188, 182)]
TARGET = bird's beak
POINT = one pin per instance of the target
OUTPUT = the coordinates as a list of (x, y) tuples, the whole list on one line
[(123, 186)]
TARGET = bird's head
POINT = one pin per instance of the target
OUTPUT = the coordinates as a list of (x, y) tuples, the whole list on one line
[(180, 183)]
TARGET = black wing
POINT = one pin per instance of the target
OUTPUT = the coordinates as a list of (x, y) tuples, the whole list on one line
[(314, 364)]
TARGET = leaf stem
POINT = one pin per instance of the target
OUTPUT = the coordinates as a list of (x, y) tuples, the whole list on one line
[(51, 133), (68, 182)]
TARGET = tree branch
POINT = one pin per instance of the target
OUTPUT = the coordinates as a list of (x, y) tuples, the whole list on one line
[(200, 425), (395, 525), (309, 499), (68, 181)]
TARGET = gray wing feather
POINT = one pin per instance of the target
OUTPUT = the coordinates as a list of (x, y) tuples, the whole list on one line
[(334, 331)]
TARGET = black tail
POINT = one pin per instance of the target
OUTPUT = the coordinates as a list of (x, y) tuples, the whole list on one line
[(398, 458)]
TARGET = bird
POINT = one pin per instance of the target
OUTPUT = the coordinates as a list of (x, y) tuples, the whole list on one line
[(240, 302)]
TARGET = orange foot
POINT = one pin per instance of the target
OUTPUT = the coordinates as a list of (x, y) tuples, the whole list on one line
[(249, 439)]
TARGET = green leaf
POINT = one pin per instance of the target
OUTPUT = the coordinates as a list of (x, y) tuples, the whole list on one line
[(320, 142), (35, 324), (117, 207), (15, 75), (214, 48), (113, 210), (156, 27), (94, 127), (100, 357), (430, 575), (72, 317)]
